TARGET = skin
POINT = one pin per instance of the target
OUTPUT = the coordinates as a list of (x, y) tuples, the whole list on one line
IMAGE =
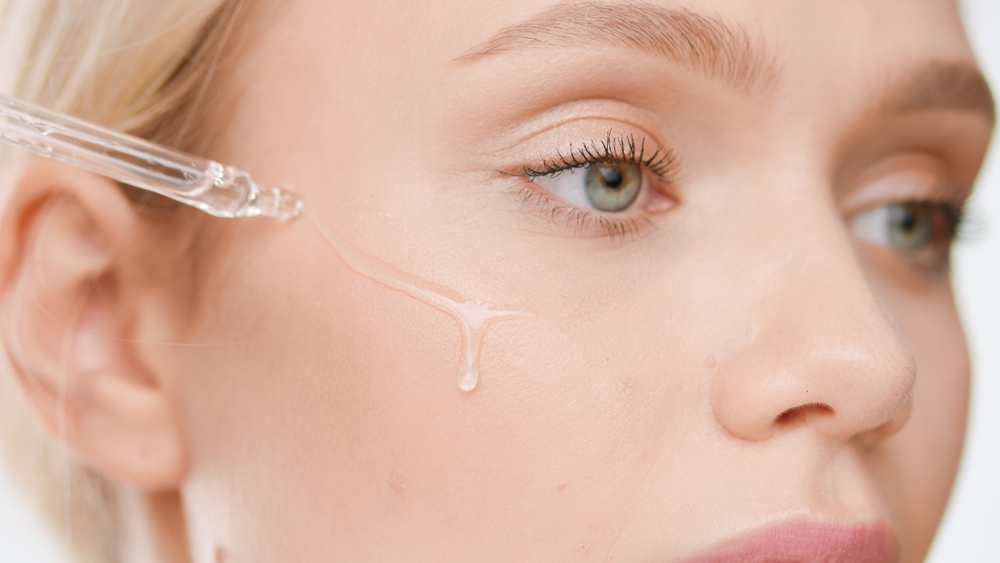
[(740, 359)]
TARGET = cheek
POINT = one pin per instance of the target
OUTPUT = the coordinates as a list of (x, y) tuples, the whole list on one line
[(340, 396), (329, 410), (917, 467)]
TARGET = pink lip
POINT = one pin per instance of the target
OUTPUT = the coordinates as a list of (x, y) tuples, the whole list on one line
[(808, 542)]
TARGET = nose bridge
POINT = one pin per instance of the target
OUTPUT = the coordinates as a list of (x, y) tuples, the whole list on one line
[(816, 344)]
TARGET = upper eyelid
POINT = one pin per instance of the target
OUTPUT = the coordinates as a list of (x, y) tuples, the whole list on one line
[(581, 120), (610, 113), (908, 176)]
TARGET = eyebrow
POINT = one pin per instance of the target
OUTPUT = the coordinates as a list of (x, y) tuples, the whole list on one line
[(956, 86), (697, 41)]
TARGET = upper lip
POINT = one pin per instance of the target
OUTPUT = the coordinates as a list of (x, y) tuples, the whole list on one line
[(806, 541)]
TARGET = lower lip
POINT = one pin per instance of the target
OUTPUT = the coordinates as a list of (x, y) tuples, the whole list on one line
[(808, 542)]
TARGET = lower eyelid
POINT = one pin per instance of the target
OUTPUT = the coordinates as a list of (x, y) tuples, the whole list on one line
[(584, 223)]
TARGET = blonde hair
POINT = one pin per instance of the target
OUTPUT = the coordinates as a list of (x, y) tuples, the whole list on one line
[(135, 65)]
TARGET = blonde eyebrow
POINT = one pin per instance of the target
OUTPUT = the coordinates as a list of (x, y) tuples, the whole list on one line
[(942, 85), (697, 41)]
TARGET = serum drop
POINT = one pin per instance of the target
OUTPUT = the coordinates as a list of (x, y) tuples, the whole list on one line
[(473, 318)]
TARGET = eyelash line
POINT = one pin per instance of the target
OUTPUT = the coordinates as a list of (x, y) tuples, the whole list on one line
[(965, 223), (961, 223), (623, 148)]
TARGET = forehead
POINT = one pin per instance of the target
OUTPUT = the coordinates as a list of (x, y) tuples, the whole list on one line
[(379, 65), (804, 42), (791, 28)]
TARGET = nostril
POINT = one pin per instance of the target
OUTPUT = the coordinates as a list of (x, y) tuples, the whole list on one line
[(796, 414)]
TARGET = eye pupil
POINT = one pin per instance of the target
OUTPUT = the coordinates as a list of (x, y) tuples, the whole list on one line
[(611, 177), (908, 222)]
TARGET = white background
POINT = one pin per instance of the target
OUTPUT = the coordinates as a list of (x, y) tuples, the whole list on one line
[(971, 530)]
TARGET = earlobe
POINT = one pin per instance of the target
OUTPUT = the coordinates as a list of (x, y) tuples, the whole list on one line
[(67, 303)]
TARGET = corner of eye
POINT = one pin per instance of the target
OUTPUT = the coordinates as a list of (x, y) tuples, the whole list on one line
[(661, 203), (514, 172)]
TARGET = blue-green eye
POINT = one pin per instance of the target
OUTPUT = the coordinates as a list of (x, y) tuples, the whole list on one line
[(909, 227), (611, 187)]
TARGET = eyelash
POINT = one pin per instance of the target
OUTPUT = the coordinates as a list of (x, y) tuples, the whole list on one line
[(622, 148), (662, 164), (957, 216), (957, 226)]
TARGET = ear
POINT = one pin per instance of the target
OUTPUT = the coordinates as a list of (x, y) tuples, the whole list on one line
[(67, 303)]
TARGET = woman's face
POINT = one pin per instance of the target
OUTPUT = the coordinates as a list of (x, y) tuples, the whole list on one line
[(725, 226)]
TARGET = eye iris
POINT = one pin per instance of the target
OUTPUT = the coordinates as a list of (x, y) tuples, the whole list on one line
[(613, 187), (910, 226)]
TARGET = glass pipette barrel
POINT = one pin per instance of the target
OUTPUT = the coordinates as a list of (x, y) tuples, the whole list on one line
[(217, 189)]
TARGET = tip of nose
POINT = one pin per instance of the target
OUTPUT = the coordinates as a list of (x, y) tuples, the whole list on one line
[(837, 391)]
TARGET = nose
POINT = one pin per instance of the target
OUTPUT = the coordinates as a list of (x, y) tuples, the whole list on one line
[(817, 348)]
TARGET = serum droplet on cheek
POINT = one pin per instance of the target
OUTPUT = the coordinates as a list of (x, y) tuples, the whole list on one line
[(473, 318)]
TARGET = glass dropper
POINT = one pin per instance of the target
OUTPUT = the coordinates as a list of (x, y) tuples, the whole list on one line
[(216, 189)]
